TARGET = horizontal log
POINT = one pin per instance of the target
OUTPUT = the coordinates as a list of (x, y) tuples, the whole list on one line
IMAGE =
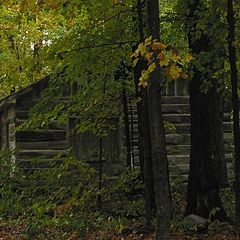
[(34, 164), (39, 153), (175, 99), (184, 159), (185, 149), (185, 118), (175, 108), (179, 169), (43, 145), (177, 118), (40, 136)]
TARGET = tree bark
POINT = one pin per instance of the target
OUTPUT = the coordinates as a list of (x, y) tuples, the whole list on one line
[(235, 103), (205, 108), (145, 155), (203, 193), (157, 133), (217, 102), (216, 135)]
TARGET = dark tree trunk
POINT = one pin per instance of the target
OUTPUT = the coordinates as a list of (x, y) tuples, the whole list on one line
[(203, 190), (157, 133), (145, 155), (235, 103), (203, 193), (216, 103), (148, 170), (216, 137)]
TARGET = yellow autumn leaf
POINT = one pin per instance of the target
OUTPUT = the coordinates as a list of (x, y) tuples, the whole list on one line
[(165, 62), (175, 57), (143, 81), (135, 54), (158, 46), (135, 61), (175, 72), (148, 41), (161, 56), (148, 56), (142, 49), (187, 59), (152, 67)]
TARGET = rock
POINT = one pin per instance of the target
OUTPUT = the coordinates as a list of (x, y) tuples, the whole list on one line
[(195, 219), (194, 222)]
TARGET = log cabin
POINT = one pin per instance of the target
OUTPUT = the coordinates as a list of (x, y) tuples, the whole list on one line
[(53, 141), (46, 143)]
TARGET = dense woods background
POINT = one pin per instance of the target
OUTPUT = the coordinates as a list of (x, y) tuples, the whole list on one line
[(86, 64)]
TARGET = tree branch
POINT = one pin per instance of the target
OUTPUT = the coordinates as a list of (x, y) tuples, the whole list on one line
[(96, 46)]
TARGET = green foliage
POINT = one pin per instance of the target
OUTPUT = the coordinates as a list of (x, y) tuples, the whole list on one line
[(25, 35), (64, 197), (210, 23), (5, 164), (172, 28), (178, 191), (228, 199), (57, 196), (127, 193), (169, 127), (85, 42)]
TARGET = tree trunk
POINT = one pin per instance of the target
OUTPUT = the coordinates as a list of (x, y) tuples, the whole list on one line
[(235, 104), (216, 103), (145, 155), (205, 109), (148, 170), (216, 135), (157, 133), (203, 193)]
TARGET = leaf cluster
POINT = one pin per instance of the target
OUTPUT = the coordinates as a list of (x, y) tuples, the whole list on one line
[(158, 54)]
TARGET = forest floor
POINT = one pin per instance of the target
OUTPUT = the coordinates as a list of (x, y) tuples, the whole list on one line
[(215, 232)]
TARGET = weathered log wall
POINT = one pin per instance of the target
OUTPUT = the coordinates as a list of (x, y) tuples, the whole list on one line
[(176, 110), (8, 138), (44, 144), (41, 144)]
